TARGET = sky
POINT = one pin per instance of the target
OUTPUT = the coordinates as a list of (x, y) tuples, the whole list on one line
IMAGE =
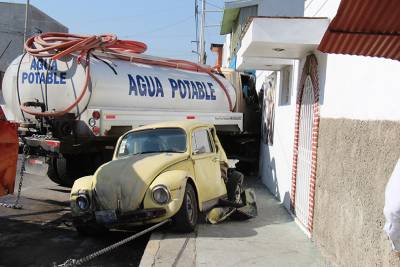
[(166, 26)]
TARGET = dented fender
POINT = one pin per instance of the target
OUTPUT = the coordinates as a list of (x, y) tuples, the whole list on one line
[(175, 181)]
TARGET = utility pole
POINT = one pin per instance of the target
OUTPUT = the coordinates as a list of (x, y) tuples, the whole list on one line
[(26, 23), (202, 55), (196, 21)]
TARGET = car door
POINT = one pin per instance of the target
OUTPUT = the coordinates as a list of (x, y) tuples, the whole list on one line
[(207, 168)]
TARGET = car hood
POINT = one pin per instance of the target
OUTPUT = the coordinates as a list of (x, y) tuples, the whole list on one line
[(126, 180)]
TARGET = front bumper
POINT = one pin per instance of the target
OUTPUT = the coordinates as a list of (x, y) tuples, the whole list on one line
[(111, 217)]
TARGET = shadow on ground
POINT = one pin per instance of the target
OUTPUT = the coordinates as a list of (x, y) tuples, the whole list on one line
[(41, 233), (30, 244)]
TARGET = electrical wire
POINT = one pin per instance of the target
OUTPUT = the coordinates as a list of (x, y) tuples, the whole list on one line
[(55, 46), (214, 5)]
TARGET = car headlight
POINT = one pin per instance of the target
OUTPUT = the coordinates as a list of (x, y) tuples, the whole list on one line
[(161, 194), (82, 201)]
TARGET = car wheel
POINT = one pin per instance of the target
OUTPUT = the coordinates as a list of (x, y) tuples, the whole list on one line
[(186, 219), (234, 186), (91, 229)]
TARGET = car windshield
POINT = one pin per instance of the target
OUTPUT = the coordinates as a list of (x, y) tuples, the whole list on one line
[(153, 141)]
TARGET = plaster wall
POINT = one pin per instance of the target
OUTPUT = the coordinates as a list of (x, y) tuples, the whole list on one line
[(355, 161)]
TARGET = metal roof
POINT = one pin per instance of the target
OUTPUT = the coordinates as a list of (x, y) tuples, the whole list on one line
[(367, 28)]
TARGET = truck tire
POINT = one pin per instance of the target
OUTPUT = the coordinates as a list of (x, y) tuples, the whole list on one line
[(72, 167), (234, 186), (185, 220), (65, 169), (52, 171)]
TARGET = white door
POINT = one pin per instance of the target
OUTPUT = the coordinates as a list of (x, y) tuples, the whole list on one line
[(304, 158)]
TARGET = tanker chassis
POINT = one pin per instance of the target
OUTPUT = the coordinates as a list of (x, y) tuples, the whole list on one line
[(121, 95)]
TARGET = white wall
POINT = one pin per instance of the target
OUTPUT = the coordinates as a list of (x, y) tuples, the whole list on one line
[(350, 87), (355, 87), (276, 160), (226, 51), (361, 88)]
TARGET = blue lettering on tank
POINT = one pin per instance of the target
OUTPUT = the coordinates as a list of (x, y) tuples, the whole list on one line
[(63, 77), (174, 86), (194, 90), (53, 65), (49, 78), (132, 85), (152, 89), (212, 91), (42, 79), (33, 64), (31, 77), (200, 89), (141, 85), (44, 71), (182, 88), (24, 76), (206, 92), (39, 65), (159, 87), (145, 86), (37, 79), (187, 83)]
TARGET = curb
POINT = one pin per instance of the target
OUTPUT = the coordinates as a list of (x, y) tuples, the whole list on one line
[(170, 249)]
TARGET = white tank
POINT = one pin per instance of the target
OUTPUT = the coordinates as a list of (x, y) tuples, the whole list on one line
[(115, 84)]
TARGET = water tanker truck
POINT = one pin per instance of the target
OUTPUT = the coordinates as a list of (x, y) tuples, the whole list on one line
[(73, 102)]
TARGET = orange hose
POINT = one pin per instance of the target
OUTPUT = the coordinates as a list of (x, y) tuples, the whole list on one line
[(56, 45)]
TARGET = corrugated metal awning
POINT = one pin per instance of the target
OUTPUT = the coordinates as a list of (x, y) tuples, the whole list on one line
[(365, 28)]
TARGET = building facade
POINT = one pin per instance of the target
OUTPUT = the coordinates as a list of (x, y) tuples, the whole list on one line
[(12, 23), (330, 132)]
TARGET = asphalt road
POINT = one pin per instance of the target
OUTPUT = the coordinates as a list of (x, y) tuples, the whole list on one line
[(37, 235)]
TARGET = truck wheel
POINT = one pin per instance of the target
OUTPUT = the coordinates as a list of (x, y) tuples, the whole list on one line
[(186, 219), (234, 186), (52, 171), (64, 168), (91, 229)]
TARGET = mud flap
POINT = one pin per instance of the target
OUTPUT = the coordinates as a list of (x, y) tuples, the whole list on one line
[(248, 211), (8, 156)]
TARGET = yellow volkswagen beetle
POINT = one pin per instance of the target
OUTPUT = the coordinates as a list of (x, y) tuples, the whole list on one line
[(167, 170)]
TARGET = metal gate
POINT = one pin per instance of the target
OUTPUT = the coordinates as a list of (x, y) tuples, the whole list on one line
[(304, 160)]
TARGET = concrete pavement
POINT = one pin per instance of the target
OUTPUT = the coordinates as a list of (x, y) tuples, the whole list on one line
[(271, 239)]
